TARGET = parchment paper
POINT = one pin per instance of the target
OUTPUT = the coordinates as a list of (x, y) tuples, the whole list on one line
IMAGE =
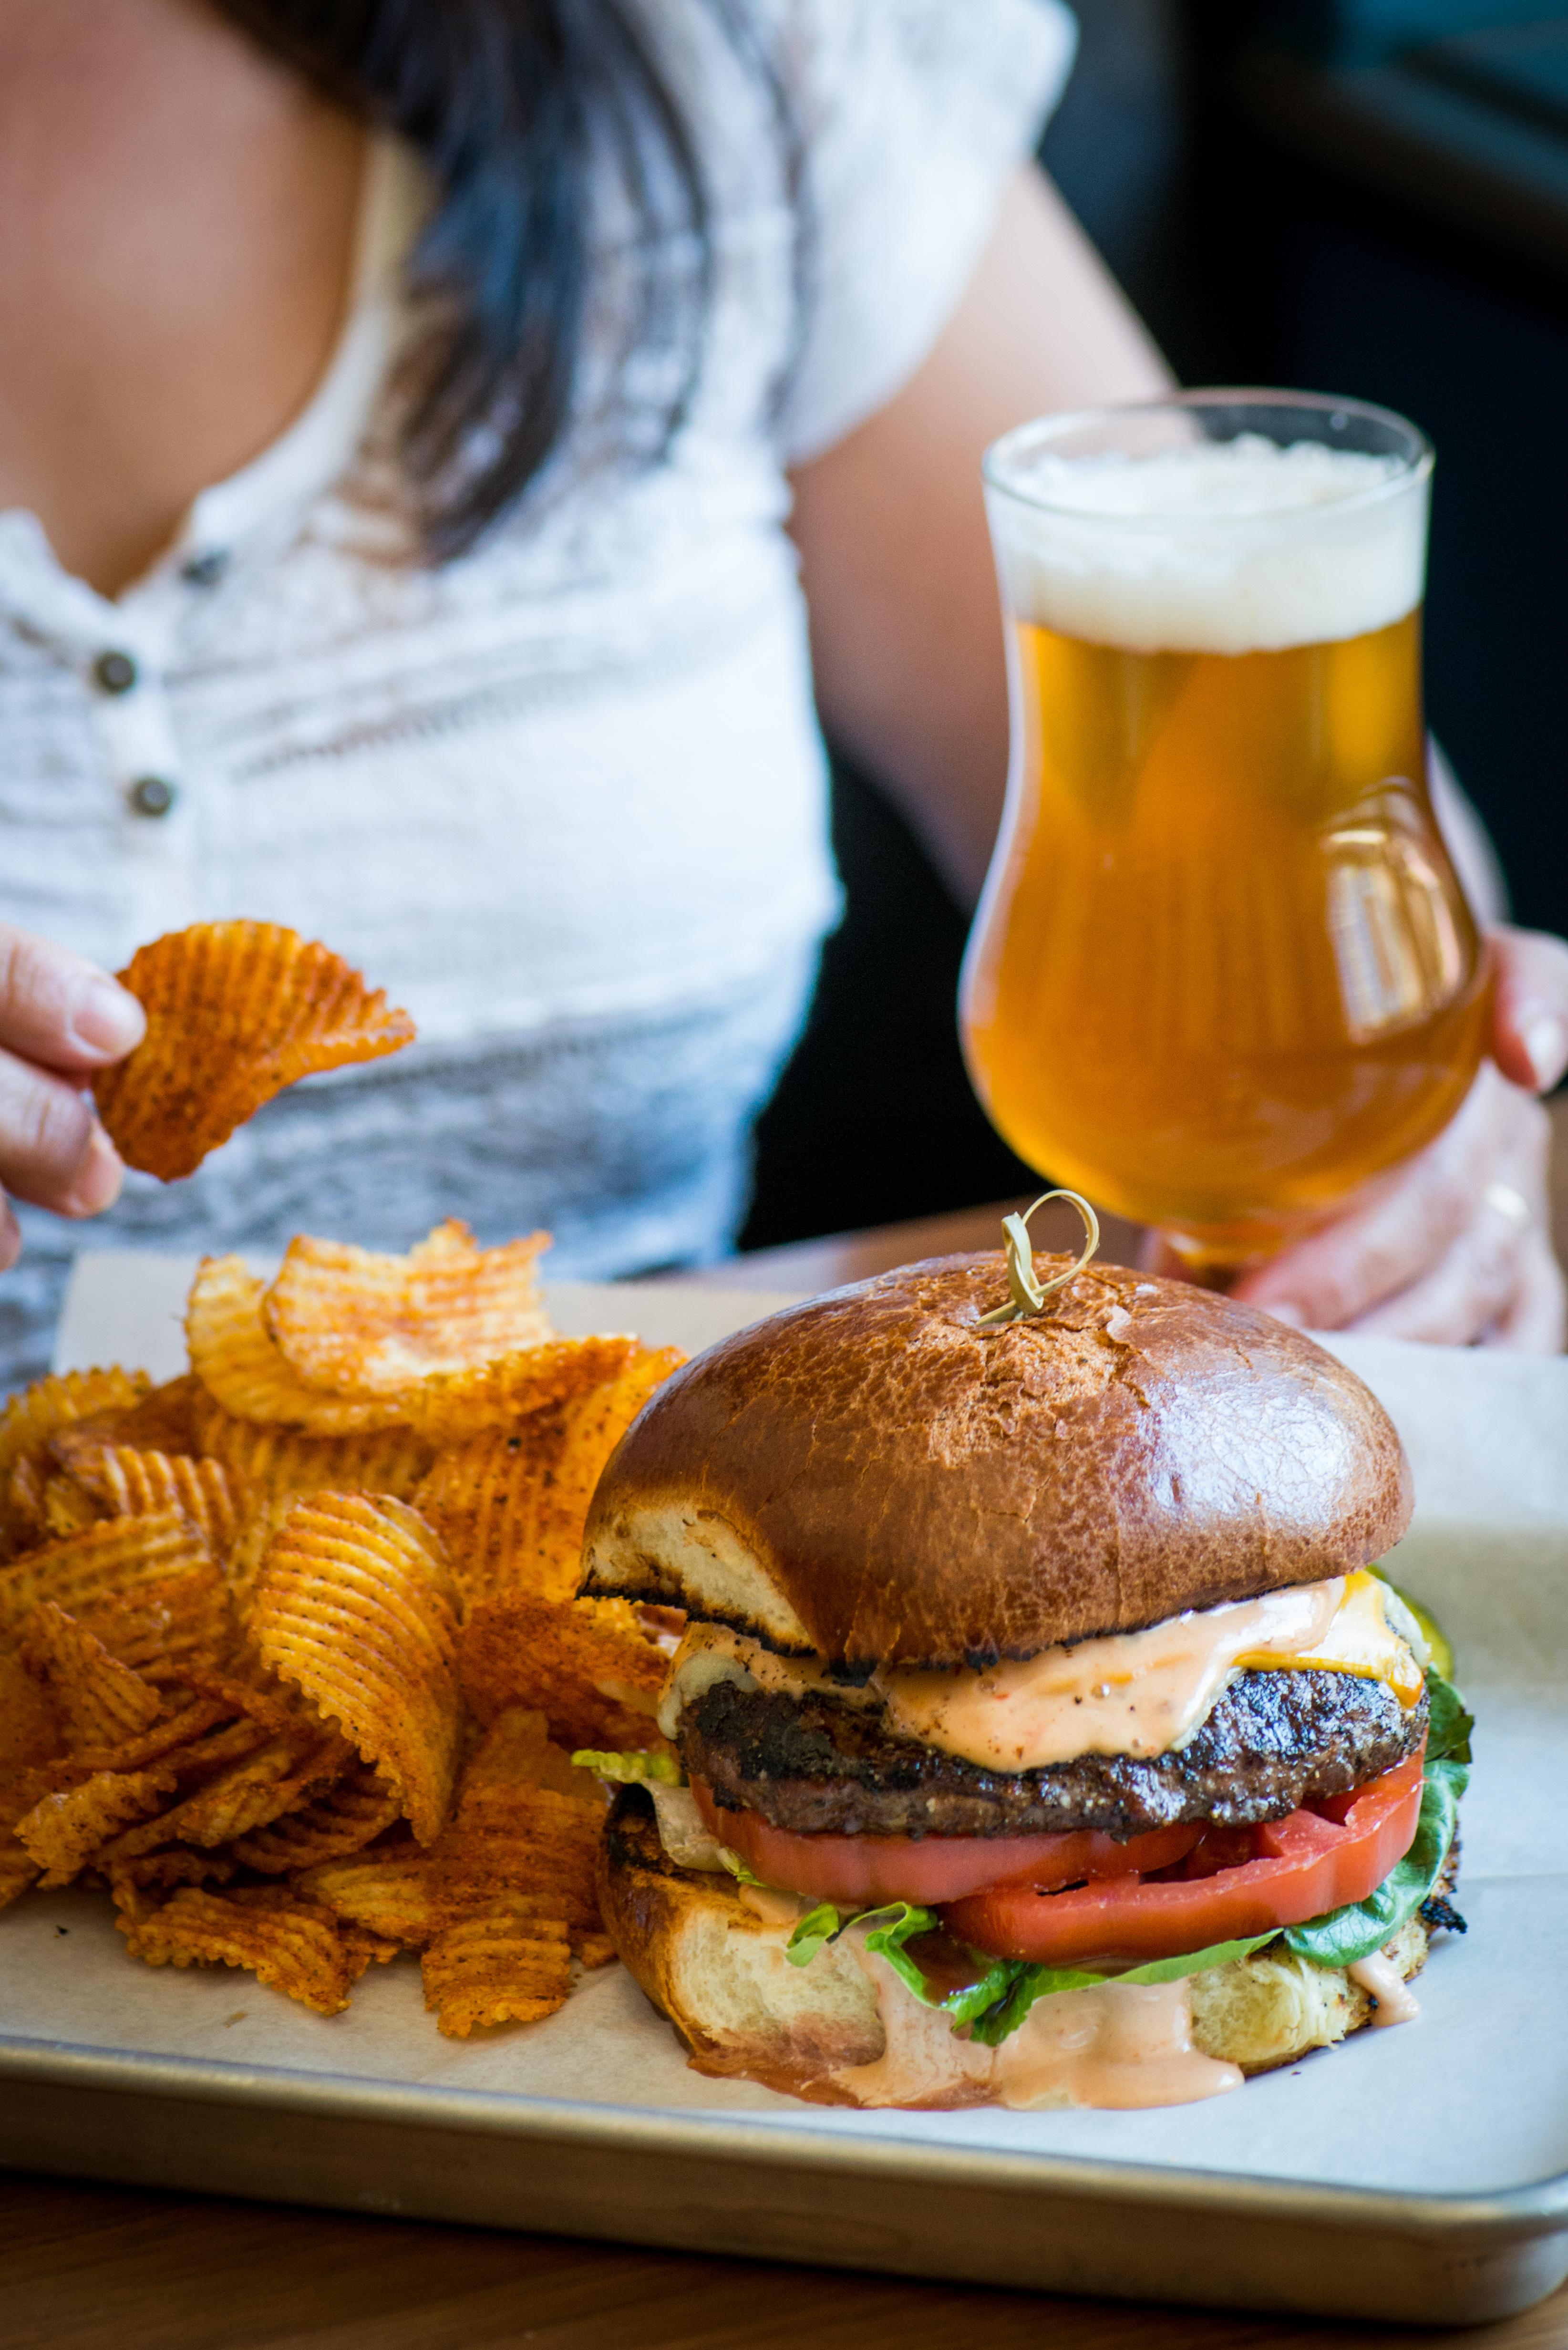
[(1473, 2097)]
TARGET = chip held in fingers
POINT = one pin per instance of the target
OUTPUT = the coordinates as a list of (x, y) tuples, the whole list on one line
[(235, 1012)]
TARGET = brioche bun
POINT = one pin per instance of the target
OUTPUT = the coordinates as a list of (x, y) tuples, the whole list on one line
[(874, 1478)]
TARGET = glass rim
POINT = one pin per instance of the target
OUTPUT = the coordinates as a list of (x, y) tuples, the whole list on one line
[(1414, 468)]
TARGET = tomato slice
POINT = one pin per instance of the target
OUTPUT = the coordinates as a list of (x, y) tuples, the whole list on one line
[(860, 1872), (1301, 1866)]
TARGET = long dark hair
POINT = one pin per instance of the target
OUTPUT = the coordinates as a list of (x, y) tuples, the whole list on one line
[(512, 104)]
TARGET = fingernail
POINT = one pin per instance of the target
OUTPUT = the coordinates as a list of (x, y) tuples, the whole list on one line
[(107, 1020), (97, 1186), (1283, 1311), (1545, 1040)]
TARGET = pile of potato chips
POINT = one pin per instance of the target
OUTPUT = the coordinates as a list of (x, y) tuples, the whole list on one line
[(290, 1661)]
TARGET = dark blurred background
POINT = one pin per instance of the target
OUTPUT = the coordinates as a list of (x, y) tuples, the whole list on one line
[(1357, 196)]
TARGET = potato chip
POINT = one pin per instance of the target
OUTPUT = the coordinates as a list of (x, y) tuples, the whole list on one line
[(18, 1869), (249, 1794), (100, 1701), (236, 1011), (506, 1964), (66, 1508), (27, 1425), (295, 1947), (239, 1362), (162, 1422), (127, 1480), (176, 1734), (387, 1893), (517, 1750), (30, 1730), (169, 1629), (177, 1865), (102, 1564), (451, 1404), (585, 1663), (521, 1840), (343, 1819), (355, 1603), (276, 1462), (487, 1498), (366, 1324), (64, 1830)]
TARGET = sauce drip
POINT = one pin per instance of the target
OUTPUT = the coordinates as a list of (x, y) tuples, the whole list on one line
[(1382, 1980), (1119, 2046)]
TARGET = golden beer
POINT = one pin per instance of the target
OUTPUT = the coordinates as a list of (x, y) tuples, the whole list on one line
[(1224, 971)]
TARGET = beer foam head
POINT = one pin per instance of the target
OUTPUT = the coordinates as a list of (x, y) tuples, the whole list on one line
[(1227, 547)]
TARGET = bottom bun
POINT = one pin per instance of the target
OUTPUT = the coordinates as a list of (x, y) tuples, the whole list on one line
[(717, 1968)]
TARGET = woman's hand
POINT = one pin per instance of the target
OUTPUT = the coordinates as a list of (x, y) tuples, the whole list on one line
[(61, 1020), (1456, 1246)]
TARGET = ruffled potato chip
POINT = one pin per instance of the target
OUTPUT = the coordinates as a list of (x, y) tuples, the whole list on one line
[(67, 1829), (536, 1842), (241, 1364), (103, 1563), (162, 1422), (451, 1404), (585, 1663), (170, 1630), (508, 1964), (178, 1865), (487, 1498), (367, 1324), (276, 1462), (341, 1820), (125, 1481), (31, 1731), (355, 1603), (18, 1869), (100, 1701), (387, 1893), (249, 1794), (27, 1425), (295, 1946), (236, 1011), (65, 1508)]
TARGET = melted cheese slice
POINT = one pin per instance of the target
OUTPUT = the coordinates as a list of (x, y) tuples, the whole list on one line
[(1135, 1693)]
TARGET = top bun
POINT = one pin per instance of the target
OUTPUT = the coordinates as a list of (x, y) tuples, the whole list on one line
[(874, 1478)]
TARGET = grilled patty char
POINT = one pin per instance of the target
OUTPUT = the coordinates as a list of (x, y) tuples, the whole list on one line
[(821, 1766)]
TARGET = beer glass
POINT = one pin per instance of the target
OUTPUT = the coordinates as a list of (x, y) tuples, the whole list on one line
[(1222, 972)]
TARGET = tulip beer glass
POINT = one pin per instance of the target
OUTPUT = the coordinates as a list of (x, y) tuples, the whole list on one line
[(1222, 972)]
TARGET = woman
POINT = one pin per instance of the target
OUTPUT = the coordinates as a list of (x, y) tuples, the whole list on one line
[(402, 411)]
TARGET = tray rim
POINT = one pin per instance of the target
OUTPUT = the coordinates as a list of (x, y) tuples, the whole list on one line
[(1508, 2214)]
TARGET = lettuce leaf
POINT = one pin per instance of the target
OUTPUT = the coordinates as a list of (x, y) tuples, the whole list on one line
[(629, 1767), (817, 1928)]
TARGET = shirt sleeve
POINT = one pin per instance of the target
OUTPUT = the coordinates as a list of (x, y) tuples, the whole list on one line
[(913, 114)]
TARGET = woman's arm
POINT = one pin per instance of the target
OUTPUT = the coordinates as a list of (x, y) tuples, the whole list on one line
[(895, 555), (906, 641)]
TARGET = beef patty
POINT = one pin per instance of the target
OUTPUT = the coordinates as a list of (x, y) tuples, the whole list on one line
[(821, 1766)]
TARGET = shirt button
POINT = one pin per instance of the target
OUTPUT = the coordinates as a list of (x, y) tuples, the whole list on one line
[(153, 795), (115, 672)]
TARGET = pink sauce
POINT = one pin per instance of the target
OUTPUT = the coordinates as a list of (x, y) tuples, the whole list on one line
[(1382, 1980), (1133, 1693), (1121, 2045)]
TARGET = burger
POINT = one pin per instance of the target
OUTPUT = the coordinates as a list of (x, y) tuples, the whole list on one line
[(1040, 1731)]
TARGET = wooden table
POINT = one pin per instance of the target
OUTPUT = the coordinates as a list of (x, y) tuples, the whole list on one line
[(95, 2268)]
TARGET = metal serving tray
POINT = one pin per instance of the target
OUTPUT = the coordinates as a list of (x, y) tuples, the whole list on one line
[(1418, 2175)]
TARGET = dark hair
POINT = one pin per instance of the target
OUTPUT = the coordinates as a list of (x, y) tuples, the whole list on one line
[(513, 105)]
